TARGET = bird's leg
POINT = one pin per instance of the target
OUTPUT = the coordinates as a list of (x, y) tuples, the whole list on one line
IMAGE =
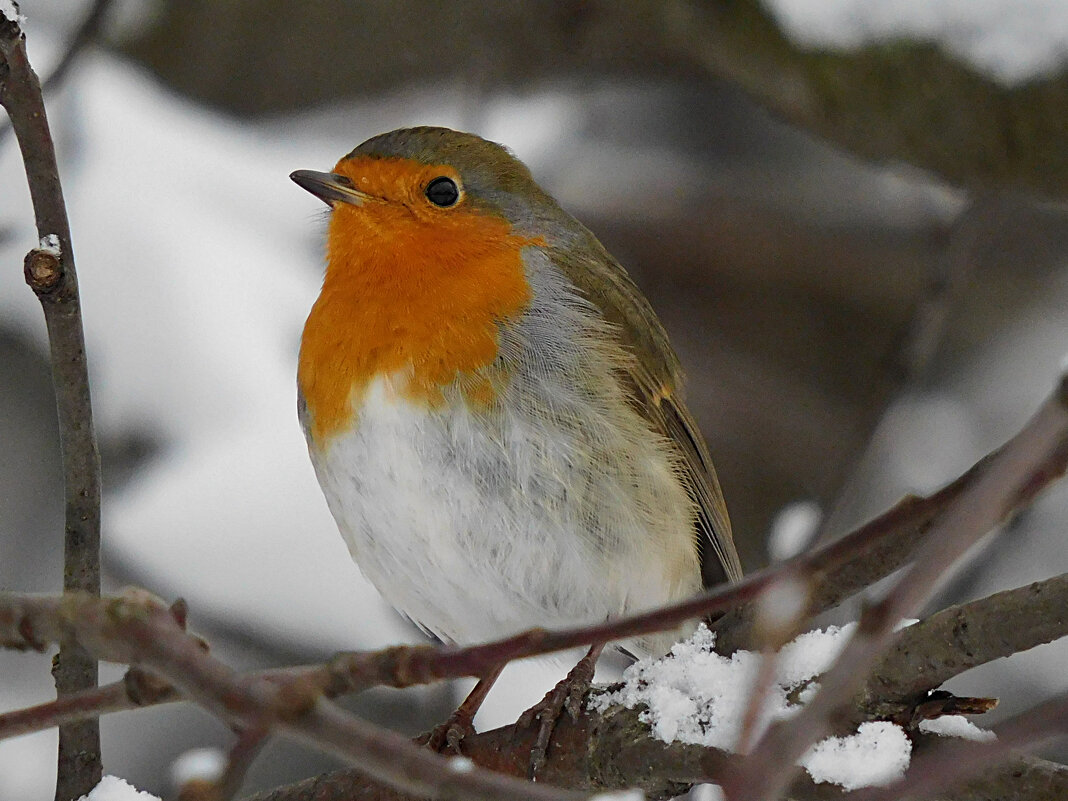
[(568, 694), (461, 722)]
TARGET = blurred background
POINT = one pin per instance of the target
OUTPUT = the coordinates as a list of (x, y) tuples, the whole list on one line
[(850, 217)]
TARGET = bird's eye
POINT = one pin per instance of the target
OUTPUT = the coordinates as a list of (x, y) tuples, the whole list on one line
[(442, 191)]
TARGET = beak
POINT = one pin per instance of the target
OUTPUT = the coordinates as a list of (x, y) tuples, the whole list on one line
[(330, 187)]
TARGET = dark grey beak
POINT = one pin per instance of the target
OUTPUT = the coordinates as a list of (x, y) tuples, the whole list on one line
[(330, 187)]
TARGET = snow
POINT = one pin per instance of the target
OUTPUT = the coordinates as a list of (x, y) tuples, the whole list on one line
[(707, 792), (811, 653), (873, 757), (205, 764), (782, 603), (697, 696), (793, 529), (956, 726), (460, 764), (10, 10), (112, 788), (1011, 41), (50, 244), (632, 794)]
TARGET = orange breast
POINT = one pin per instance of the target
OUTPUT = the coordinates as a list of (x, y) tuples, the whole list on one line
[(414, 297)]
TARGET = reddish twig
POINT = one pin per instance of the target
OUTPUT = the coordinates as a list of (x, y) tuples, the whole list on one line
[(82, 705), (51, 274), (779, 613), (1007, 480), (594, 752)]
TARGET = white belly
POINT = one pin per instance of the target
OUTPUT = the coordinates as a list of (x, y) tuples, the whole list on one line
[(478, 528)]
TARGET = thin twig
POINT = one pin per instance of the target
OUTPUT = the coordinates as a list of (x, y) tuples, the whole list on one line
[(609, 751), (1007, 480), (82, 705), (779, 613), (52, 276), (404, 666)]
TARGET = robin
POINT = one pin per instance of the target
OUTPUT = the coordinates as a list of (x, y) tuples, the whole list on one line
[(494, 411)]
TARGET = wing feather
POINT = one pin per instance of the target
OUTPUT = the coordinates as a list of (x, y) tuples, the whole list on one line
[(656, 386)]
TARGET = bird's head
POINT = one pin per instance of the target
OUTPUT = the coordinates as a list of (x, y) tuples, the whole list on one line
[(425, 260), (431, 180)]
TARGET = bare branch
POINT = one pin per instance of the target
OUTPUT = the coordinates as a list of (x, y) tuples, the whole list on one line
[(82, 705), (596, 752), (56, 286), (929, 653)]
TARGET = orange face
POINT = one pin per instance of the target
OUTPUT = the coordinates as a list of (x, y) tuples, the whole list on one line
[(414, 292)]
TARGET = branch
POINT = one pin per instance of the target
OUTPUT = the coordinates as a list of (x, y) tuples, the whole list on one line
[(929, 653), (595, 752), (51, 274), (404, 666), (1006, 480), (616, 750), (71, 708), (138, 629), (609, 751), (926, 654)]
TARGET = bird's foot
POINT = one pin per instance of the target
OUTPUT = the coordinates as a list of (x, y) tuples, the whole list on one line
[(446, 737), (567, 696), (461, 723)]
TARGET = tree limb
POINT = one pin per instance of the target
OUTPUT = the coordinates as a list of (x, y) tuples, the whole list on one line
[(51, 274), (615, 750), (928, 653)]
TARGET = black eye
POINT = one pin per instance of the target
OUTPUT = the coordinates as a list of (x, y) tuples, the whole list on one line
[(442, 191)]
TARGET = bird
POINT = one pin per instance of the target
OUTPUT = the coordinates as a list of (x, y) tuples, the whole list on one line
[(493, 410)]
